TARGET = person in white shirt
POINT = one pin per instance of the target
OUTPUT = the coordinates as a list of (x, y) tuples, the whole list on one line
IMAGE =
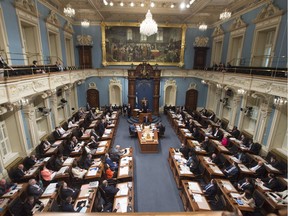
[(78, 172), (71, 123), (61, 130)]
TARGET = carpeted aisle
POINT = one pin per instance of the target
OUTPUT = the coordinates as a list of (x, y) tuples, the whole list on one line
[(155, 187)]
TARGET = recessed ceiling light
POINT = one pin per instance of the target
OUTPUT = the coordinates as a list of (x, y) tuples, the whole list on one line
[(187, 5), (132, 4), (172, 5), (152, 4), (111, 3), (182, 5), (105, 2), (191, 2), (121, 4), (142, 4)]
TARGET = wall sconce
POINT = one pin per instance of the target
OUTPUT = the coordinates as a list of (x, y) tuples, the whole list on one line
[(204, 82)]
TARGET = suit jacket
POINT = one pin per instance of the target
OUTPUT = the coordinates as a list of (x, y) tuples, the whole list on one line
[(101, 129), (242, 157), (56, 134), (261, 172), (184, 151), (110, 190), (235, 133), (195, 134), (205, 145), (210, 190), (218, 134), (28, 163), (67, 207), (66, 192), (87, 163), (18, 174), (232, 172), (216, 160), (273, 183), (34, 190)]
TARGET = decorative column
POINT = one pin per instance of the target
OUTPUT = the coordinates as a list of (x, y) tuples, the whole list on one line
[(68, 96), (241, 116), (264, 114), (156, 95), (221, 104), (234, 109), (54, 108), (30, 119), (217, 105), (131, 88)]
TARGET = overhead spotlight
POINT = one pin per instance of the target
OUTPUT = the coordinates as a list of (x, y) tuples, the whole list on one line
[(132, 4), (121, 4), (105, 2), (191, 2), (111, 4), (172, 5), (152, 4), (142, 4), (182, 5), (187, 5)]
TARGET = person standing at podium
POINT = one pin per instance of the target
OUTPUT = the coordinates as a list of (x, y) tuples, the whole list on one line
[(144, 105)]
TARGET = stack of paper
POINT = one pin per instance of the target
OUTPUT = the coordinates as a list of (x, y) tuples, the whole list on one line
[(188, 134), (123, 170), (123, 190), (93, 184), (122, 202), (185, 170), (62, 170), (100, 149), (197, 198), (102, 143), (92, 171), (68, 161)]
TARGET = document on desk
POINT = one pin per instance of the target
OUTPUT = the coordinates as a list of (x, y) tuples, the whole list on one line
[(10, 193), (235, 159), (197, 198), (68, 161), (102, 143), (123, 202), (244, 168), (271, 167), (185, 130), (107, 131), (92, 171), (227, 185), (31, 171), (3, 203), (62, 170), (185, 169), (195, 142), (123, 171), (84, 193), (45, 201), (177, 157), (188, 134), (235, 195), (100, 149), (125, 160), (194, 187), (51, 188), (123, 189), (216, 169)]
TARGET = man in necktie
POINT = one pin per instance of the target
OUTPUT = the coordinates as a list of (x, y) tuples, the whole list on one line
[(210, 189), (259, 170), (232, 170)]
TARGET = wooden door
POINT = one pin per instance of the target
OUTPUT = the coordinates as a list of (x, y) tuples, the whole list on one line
[(85, 56), (93, 98), (191, 100)]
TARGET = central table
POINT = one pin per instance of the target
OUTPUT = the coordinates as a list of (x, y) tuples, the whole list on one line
[(149, 145)]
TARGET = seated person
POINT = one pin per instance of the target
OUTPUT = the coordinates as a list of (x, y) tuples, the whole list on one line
[(46, 174), (29, 161), (244, 141), (132, 128), (34, 189), (270, 182), (217, 134), (225, 140), (190, 125), (109, 173), (259, 169), (203, 111), (235, 132), (110, 190), (160, 128), (36, 69), (209, 130), (71, 123), (6, 186), (59, 162), (184, 150), (67, 206), (245, 184), (88, 161), (59, 66), (215, 159), (210, 189), (18, 173), (241, 156), (116, 152), (66, 191), (92, 144), (219, 123), (28, 207), (247, 198), (94, 134), (56, 133), (232, 170), (212, 116), (77, 171), (192, 163), (61, 130), (113, 165), (68, 147), (275, 163), (205, 144), (195, 133), (43, 147)]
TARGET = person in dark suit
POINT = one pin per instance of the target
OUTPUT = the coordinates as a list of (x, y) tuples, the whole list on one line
[(259, 170), (244, 141), (215, 159), (129, 110), (101, 127), (36, 69), (241, 157), (271, 182), (29, 205), (67, 206), (92, 144), (58, 162), (5, 186), (110, 190), (184, 150), (231, 171), (94, 134), (29, 161), (254, 147), (217, 134), (189, 125), (88, 162), (195, 133), (18, 173), (67, 191), (245, 184), (275, 163), (57, 133), (235, 132), (210, 189), (68, 147), (34, 189), (205, 144)]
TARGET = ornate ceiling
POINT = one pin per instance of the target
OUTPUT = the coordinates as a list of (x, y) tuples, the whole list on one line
[(207, 11)]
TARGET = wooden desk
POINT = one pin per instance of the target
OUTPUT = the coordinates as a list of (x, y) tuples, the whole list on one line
[(212, 169), (231, 194), (142, 115), (108, 134), (102, 148), (93, 124), (184, 135), (86, 195), (179, 170), (270, 198), (192, 197), (220, 148), (125, 171), (126, 189), (177, 125), (149, 146), (98, 167), (194, 144)]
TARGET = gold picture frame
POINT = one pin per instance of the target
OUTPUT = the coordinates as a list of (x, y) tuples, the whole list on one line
[(122, 44)]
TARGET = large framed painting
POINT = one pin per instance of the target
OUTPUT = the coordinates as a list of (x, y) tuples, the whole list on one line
[(122, 44)]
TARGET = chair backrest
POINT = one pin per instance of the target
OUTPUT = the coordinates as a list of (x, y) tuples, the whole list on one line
[(16, 207)]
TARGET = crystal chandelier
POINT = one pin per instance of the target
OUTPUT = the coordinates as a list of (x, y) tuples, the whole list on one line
[(85, 23), (225, 15), (69, 11), (202, 27), (279, 101), (148, 26)]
